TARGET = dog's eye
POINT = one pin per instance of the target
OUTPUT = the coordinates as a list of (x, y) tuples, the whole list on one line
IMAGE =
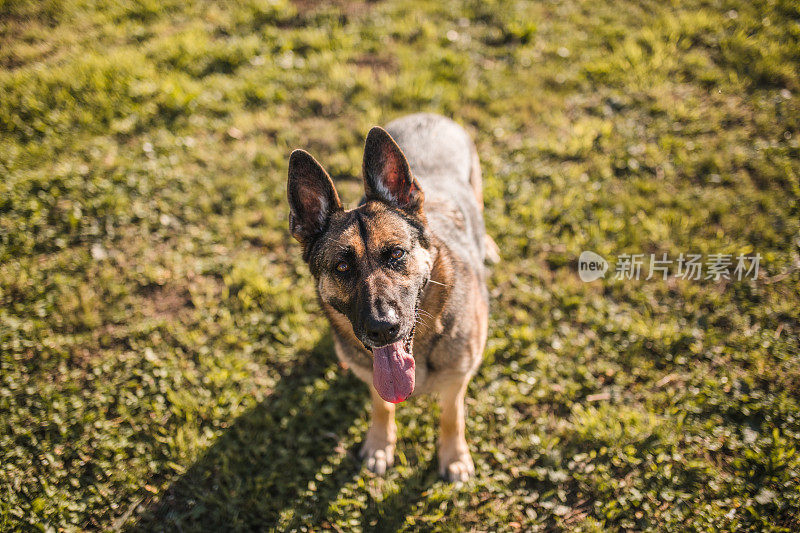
[(342, 267), (397, 253)]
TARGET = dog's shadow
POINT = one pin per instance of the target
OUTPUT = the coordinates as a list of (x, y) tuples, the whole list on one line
[(273, 458)]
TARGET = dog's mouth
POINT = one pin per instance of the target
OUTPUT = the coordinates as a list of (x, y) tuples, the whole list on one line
[(408, 341), (393, 367)]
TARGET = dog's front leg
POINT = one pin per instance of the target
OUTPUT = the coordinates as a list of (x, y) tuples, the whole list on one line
[(378, 448), (455, 463)]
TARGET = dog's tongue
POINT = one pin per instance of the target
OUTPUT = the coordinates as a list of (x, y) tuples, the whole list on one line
[(393, 372)]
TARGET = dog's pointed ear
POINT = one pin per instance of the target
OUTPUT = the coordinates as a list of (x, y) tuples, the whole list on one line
[(312, 197), (387, 176)]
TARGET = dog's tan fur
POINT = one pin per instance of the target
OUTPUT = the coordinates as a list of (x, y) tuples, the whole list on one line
[(445, 242)]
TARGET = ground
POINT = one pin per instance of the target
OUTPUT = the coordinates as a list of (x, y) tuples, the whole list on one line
[(164, 363)]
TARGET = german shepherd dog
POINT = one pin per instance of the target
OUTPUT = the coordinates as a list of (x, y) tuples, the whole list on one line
[(401, 277)]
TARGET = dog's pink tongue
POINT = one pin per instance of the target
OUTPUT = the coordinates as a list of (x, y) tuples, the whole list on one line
[(393, 372)]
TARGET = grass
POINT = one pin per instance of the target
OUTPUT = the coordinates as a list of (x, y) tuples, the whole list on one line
[(163, 361)]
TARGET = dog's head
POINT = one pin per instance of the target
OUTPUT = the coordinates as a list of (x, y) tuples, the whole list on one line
[(370, 263)]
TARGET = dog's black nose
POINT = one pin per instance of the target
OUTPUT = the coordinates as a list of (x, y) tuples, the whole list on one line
[(383, 329)]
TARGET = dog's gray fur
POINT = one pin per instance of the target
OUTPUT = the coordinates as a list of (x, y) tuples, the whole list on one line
[(445, 266)]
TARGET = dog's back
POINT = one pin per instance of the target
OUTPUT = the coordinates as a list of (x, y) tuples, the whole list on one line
[(443, 158)]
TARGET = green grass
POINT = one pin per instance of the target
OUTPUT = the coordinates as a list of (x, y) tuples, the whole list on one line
[(163, 361)]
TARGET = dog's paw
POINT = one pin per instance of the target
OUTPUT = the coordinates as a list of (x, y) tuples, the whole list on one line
[(378, 454), (457, 468)]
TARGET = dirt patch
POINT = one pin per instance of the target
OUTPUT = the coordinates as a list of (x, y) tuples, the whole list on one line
[(165, 301), (377, 63), (305, 7)]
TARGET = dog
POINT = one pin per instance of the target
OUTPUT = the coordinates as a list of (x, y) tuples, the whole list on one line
[(401, 277)]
